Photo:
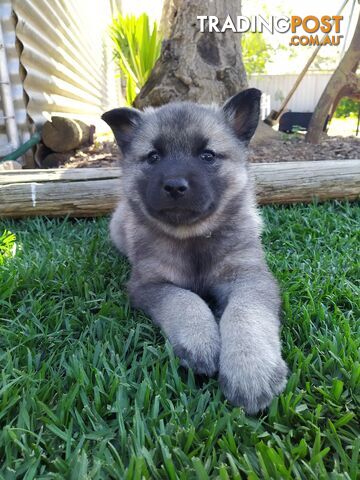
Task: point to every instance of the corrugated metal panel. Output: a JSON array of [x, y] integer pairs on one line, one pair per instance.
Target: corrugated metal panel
[[17, 94], [66, 55], [277, 86]]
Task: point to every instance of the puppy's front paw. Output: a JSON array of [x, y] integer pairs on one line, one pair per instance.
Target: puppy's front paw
[[199, 350], [251, 382]]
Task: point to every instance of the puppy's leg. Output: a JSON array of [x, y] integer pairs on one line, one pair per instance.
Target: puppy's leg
[[117, 232], [251, 368], [185, 319]]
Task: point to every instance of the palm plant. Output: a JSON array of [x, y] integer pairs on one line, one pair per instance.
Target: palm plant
[[136, 49]]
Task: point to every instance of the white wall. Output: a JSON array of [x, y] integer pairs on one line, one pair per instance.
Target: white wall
[[305, 97], [17, 94], [67, 58]]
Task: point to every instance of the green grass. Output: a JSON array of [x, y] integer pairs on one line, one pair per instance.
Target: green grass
[[90, 390]]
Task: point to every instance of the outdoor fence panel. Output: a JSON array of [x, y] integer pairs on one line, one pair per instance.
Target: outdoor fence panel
[[277, 86], [66, 55], [16, 95]]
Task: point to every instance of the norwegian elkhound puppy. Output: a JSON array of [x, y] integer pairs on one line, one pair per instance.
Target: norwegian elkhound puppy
[[188, 223]]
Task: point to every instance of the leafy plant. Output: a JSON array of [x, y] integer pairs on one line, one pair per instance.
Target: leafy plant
[[256, 52], [7, 245], [136, 49], [347, 108]]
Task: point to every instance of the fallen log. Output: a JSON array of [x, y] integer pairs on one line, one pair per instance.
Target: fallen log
[[65, 134], [294, 182], [88, 192]]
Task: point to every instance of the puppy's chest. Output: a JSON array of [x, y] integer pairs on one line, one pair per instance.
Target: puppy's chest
[[198, 259]]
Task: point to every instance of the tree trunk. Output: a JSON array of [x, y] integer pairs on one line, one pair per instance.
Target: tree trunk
[[343, 83], [201, 67]]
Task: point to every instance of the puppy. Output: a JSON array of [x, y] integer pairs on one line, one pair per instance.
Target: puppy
[[188, 223]]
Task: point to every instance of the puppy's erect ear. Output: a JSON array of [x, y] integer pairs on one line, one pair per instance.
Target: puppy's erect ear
[[123, 122], [242, 112]]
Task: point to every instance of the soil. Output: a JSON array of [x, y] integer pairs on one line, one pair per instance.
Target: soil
[[104, 153], [294, 148]]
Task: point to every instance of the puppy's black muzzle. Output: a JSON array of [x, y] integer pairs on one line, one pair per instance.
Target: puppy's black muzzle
[[176, 187]]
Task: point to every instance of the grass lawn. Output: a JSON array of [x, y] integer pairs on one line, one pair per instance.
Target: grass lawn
[[90, 389]]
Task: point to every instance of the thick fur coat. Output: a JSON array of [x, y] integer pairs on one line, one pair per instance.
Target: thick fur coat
[[189, 225]]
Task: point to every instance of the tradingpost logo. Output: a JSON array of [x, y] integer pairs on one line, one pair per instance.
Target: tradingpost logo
[[309, 30]]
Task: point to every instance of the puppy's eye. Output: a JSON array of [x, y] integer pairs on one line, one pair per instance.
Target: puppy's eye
[[153, 157], [208, 155]]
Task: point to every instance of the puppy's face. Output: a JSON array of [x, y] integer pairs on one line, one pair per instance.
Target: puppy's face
[[182, 161]]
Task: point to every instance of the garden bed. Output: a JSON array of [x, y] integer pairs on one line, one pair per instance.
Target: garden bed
[[105, 153]]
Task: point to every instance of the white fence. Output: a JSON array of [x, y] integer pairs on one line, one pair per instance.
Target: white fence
[[66, 56], [59, 60], [15, 96], [277, 86]]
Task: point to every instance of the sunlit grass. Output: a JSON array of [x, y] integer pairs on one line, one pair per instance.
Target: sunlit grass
[[7, 245], [90, 389], [343, 127]]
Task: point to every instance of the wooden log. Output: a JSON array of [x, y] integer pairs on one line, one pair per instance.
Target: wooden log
[[83, 192], [10, 165], [293, 182], [88, 192], [65, 134]]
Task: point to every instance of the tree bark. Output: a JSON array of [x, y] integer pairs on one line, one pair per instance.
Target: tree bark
[[88, 192], [201, 67], [343, 83]]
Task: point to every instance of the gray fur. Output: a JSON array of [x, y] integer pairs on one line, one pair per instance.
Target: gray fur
[[204, 281]]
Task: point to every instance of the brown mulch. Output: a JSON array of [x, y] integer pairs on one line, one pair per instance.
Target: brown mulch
[[100, 154], [288, 148], [294, 148]]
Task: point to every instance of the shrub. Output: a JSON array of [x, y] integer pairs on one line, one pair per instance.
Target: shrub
[[256, 53], [347, 108], [136, 49]]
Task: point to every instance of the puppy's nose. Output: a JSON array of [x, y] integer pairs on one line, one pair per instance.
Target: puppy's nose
[[176, 187]]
